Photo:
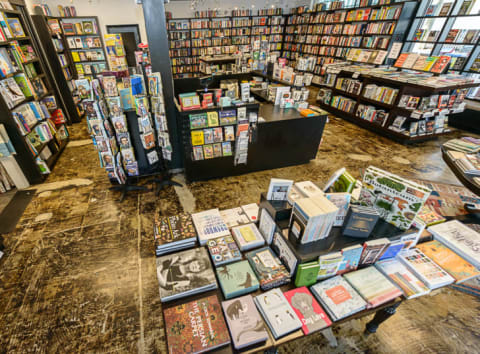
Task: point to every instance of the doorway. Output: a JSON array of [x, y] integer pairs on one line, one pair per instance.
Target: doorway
[[131, 39]]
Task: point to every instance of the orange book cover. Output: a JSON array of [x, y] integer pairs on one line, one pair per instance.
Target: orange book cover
[[401, 59], [452, 263]]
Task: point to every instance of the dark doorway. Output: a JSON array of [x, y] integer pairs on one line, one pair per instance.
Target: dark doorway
[[131, 39]]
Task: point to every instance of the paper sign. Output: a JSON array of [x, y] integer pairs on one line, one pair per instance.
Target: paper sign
[[395, 51]]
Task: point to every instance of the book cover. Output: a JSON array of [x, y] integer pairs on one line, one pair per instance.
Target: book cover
[[328, 264], [307, 274], [279, 189], [410, 285], [198, 121], [212, 118], [247, 236], [372, 250], [208, 151], [234, 217], [459, 238], [227, 148], [209, 225], [223, 250], [429, 272], [266, 225], [251, 211], [441, 64], [185, 273], [169, 229], [307, 309], [351, 259], [268, 268], [195, 327], [373, 286], [284, 252], [338, 298], [237, 279], [244, 321], [342, 202]]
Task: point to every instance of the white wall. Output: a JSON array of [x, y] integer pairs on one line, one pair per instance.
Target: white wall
[[109, 12], [183, 9]]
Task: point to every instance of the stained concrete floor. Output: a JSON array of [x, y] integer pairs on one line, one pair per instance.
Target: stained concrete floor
[[79, 273]]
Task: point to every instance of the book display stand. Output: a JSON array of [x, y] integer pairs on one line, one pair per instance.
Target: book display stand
[[467, 181], [36, 156]]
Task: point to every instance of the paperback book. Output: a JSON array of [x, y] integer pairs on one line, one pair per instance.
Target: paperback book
[[234, 217], [284, 252], [307, 274]]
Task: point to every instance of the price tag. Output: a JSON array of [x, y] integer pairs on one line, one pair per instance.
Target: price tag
[[355, 75]]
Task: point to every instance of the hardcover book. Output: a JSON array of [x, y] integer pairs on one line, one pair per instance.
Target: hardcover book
[[328, 264], [459, 238], [279, 189], [338, 298], [351, 259], [173, 233], [247, 236], [307, 309], [277, 312], [451, 262], [244, 321], [237, 279], [198, 121], [196, 327], [429, 272], [373, 286], [342, 202], [209, 225], [223, 250], [410, 285], [266, 225], [373, 250], [284, 252], [234, 217], [360, 221], [268, 268], [307, 274], [185, 273]]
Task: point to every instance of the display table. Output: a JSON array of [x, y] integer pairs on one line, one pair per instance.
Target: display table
[[467, 181]]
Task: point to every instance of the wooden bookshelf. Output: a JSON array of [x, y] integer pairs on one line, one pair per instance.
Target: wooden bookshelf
[[25, 157]]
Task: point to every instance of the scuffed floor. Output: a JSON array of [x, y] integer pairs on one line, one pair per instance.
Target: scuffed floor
[[79, 273]]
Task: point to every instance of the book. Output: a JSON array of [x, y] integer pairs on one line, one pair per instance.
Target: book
[[373, 286], [440, 64], [459, 238], [244, 321], [237, 279], [430, 273], [198, 120], [173, 233], [342, 202], [396, 199], [308, 189], [307, 274], [251, 211], [185, 273], [360, 221], [279, 189], [198, 325], [277, 312], [307, 309], [328, 264], [392, 249], [234, 217], [338, 298], [373, 249], [351, 259], [247, 236], [212, 118], [284, 252], [197, 137], [266, 225], [209, 224], [410, 285], [268, 268], [223, 250], [451, 262]]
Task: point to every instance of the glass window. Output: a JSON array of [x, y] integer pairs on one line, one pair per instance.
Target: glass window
[[438, 8], [428, 30]]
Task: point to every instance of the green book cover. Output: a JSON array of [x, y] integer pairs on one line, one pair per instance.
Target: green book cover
[[23, 84], [344, 184], [307, 274], [237, 279]]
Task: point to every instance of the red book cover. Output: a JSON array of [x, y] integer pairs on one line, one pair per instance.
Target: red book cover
[[440, 64], [307, 309], [401, 59], [196, 327]]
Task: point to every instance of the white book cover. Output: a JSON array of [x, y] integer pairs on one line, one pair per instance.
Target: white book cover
[[308, 188], [338, 297], [209, 224], [279, 189], [251, 210], [266, 226], [234, 217], [278, 313], [425, 269], [459, 238]]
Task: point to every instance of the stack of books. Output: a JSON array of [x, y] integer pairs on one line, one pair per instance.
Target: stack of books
[[174, 233], [467, 145]]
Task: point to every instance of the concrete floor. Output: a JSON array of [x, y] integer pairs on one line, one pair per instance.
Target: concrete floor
[[79, 274]]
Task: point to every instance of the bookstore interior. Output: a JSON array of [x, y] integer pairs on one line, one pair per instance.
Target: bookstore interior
[[193, 176]]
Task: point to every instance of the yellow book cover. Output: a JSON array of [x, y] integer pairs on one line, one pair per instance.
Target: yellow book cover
[[197, 137], [429, 62], [75, 56], [451, 262], [247, 234], [212, 118]]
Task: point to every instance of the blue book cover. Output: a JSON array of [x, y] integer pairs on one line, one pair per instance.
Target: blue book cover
[[35, 111], [137, 85], [237, 279], [392, 250], [351, 258], [127, 99]]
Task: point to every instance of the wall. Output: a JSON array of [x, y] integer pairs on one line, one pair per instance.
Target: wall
[[183, 9], [109, 12]]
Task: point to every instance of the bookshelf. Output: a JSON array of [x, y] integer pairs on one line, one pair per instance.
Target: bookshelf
[[30, 111], [50, 37], [448, 27], [84, 45], [208, 34]]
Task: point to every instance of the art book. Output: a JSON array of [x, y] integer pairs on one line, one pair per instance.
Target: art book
[[373, 286], [223, 250], [410, 285], [196, 327], [175, 232], [268, 268], [451, 262], [338, 298], [209, 225], [184, 274], [237, 279], [245, 323], [307, 309]]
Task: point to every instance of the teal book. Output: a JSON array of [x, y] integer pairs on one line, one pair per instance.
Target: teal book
[[237, 279]]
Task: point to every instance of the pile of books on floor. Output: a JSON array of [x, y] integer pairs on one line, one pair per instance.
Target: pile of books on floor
[[339, 284]]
